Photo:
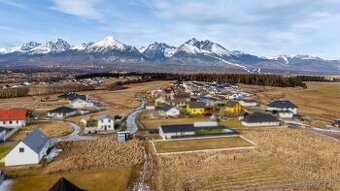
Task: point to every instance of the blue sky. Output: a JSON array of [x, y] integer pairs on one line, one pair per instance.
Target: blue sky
[[262, 27]]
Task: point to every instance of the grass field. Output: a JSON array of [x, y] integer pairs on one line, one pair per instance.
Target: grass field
[[200, 144], [4, 150], [50, 129], [234, 123], [155, 123], [116, 179], [282, 157], [319, 99]]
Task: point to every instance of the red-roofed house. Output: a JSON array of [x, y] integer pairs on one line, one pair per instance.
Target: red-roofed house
[[12, 118]]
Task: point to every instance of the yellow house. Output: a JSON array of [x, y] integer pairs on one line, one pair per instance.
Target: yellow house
[[233, 107], [196, 108]]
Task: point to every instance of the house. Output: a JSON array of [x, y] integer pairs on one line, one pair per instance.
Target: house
[[169, 111], [80, 101], [29, 151], [67, 95], [258, 119], [150, 106], [102, 123], [248, 102], [233, 107], [182, 95], [106, 122], [62, 112], [208, 100], [337, 123], [277, 106], [13, 118], [196, 108], [178, 102], [285, 114], [3, 131], [160, 100], [198, 129], [233, 96]]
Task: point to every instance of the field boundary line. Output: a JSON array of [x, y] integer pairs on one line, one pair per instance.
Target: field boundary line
[[205, 150], [196, 138]]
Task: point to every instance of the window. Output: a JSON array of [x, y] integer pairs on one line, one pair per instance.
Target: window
[[10, 122], [21, 149], [17, 122], [109, 121]]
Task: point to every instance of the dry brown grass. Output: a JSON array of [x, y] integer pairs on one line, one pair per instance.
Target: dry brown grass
[[319, 99], [281, 156], [200, 144], [50, 129], [116, 179]]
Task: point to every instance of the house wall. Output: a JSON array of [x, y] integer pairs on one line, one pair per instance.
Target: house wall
[[61, 115], [170, 135], [195, 111], [81, 104], [248, 104], [173, 112], [107, 124], [260, 124], [293, 110], [286, 115], [15, 158], [13, 123], [235, 109]]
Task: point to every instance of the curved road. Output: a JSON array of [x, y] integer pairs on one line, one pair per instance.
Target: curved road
[[74, 136], [131, 120]]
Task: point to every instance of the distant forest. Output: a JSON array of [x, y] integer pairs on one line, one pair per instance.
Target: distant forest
[[255, 79]]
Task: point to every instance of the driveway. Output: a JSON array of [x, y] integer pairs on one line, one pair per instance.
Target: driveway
[[74, 136]]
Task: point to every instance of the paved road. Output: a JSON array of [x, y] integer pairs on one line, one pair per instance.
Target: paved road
[[74, 136], [131, 120], [6, 185]]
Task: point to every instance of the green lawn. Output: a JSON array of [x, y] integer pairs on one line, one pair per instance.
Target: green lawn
[[234, 123], [200, 144], [209, 131], [4, 150], [116, 179]]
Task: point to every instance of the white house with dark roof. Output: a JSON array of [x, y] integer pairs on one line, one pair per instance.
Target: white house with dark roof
[[106, 122], [29, 151], [258, 119], [248, 102], [169, 111], [284, 105], [61, 112], [80, 101]]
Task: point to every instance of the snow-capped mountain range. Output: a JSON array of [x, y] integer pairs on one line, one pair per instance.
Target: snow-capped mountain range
[[192, 54]]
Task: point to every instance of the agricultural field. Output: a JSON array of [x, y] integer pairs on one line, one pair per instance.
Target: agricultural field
[[116, 179], [200, 144], [319, 99], [50, 129], [284, 159]]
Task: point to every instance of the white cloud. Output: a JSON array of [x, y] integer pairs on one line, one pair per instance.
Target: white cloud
[[13, 3], [81, 8]]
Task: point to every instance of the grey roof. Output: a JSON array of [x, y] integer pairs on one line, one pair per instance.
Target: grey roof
[[74, 97], [100, 117], [166, 108], [196, 105], [36, 140], [231, 103], [2, 129], [248, 100], [187, 128], [282, 104], [62, 110], [258, 117]]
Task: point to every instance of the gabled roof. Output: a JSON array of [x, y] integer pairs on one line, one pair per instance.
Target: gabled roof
[[248, 100], [64, 185], [196, 105], [13, 114], [36, 140], [282, 104], [67, 95], [166, 108], [2, 129], [75, 97], [100, 117], [258, 117], [62, 110], [231, 103]]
